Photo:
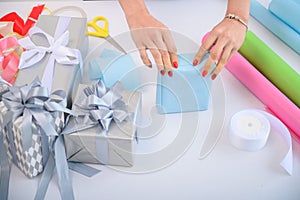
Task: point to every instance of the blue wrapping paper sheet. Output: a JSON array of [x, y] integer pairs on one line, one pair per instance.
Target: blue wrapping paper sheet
[[186, 91], [288, 11], [275, 25], [112, 66]]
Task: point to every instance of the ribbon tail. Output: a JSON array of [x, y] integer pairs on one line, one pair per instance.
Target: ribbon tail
[[287, 162], [47, 78], [43, 119], [83, 169], [11, 144], [16, 19], [26, 130], [46, 177], [64, 180], [35, 12], [11, 68], [5, 171], [80, 61], [45, 147]]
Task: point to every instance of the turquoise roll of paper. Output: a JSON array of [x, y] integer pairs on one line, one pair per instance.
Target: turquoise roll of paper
[[111, 66], [275, 25], [186, 91], [288, 11]]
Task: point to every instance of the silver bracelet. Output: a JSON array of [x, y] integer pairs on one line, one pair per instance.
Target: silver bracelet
[[237, 18]]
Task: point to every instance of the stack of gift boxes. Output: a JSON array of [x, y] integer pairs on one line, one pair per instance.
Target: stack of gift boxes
[[44, 101]]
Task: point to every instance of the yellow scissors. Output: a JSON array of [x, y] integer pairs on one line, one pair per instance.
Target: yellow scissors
[[103, 32]]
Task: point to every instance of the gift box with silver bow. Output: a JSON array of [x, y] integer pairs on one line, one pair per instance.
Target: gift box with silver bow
[[104, 130], [29, 118], [54, 51]]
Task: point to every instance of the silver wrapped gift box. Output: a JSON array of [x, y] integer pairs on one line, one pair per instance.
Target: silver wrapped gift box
[[65, 74], [28, 119], [86, 140]]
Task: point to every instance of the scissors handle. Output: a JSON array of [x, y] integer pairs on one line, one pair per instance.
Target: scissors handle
[[99, 31]]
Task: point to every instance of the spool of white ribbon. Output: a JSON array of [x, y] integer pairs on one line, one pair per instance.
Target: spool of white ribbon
[[249, 130]]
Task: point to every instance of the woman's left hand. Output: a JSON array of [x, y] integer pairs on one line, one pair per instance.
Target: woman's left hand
[[223, 41]]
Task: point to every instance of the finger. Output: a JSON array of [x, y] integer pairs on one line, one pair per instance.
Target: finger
[[145, 57], [199, 56], [174, 59], [170, 44], [207, 66], [216, 51], [158, 60], [214, 56], [204, 48], [226, 55], [164, 56], [167, 62]]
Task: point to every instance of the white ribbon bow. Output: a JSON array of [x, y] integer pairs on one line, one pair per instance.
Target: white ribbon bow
[[58, 50]]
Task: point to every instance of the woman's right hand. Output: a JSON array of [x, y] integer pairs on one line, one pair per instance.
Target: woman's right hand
[[150, 34]]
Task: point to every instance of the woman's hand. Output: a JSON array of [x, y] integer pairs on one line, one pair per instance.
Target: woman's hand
[[150, 34], [223, 41]]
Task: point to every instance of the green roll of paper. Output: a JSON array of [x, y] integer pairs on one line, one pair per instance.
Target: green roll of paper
[[274, 68]]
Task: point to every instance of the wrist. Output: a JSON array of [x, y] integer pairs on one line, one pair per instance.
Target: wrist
[[134, 9], [137, 19], [237, 18], [242, 15], [239, 8], [137, 14]]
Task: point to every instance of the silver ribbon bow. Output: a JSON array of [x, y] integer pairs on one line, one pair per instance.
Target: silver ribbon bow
[[99, 105], [35, 105]]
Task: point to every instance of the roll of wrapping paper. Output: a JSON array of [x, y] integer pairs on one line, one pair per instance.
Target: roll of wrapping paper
[[263, 89], [281, 106], [288, 11], [274, 68], [275, 25]]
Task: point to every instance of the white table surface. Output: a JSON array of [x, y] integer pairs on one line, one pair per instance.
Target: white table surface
[[226, 173]]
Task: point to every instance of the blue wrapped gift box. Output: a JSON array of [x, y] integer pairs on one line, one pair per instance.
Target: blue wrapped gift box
[[186, 91], [112, 66]]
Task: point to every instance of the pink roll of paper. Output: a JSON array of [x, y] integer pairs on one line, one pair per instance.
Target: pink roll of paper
[[262, 88]]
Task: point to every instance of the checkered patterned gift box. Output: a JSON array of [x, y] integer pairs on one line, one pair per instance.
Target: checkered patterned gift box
[[29, 120]]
